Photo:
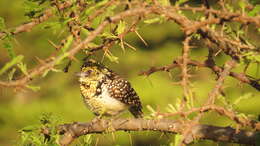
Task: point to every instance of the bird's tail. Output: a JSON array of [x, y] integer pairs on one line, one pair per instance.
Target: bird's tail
[[136, 111]]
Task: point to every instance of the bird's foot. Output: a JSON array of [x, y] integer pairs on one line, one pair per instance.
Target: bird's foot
[[96, 120]]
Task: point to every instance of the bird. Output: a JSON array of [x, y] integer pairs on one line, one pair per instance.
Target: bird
[[105, 93]]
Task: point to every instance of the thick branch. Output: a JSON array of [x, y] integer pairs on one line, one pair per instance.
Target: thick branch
[[215, 133]]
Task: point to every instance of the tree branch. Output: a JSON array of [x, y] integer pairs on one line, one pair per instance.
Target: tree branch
[[44, 17], [224, 134], [50, 64], [239, 76], [229, 46]]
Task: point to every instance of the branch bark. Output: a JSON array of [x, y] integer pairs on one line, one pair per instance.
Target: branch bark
[[222, 134]]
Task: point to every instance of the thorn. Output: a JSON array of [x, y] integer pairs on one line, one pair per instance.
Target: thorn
[[53, 44], [217, 52], [122, 44], [40, 60], [170, 75], [73, 58], [141, 38], [130, 46]]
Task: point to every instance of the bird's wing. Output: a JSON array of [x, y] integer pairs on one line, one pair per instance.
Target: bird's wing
[[121, 90]]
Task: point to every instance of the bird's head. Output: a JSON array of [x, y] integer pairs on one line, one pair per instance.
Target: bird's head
[[92, 70]]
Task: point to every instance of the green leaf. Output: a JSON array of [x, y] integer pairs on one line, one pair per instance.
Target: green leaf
[[56, 70], [121, 27], [151, 109], [177, 139], [179, 2], [8, 65], [7, 43], [85, 31], [153, 20], [257, 58], [9, 46], [67, 44], [52, 25], [2, 24], [255, 11], [32, 9], [30, 128], [243, 97], [87, 140], [108, 35], [92, 45], [171, 108], [45, 73], [230, 7], [164, 2], [242, 5], [92, 8], [178, 104], [60, 58], [11, 74], [111, 57], [23, 68], [34, 88]]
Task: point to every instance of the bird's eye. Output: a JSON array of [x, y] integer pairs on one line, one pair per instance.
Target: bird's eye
[[89, 71]]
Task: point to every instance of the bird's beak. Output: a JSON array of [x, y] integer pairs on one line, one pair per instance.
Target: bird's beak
[[82, 74], [78, 74]]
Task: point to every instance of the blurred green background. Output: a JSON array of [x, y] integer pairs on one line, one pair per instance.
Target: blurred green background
[[59, 93]]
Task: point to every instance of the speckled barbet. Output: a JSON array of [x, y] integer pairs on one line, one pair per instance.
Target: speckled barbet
[[105, 93]]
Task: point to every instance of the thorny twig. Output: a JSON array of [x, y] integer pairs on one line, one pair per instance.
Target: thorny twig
[[216, 90], [139, 11], [44, 17], [239, 76]]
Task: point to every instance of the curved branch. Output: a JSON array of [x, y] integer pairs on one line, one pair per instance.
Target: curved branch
[[50, 64], [199, 131], [224, 15]]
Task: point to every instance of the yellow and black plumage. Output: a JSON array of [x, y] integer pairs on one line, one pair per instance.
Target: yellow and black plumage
[[105, 93]]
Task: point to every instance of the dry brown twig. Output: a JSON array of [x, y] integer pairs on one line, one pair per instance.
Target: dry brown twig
[[45, 16], [48, 65], [218, 109], [239, 76]]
